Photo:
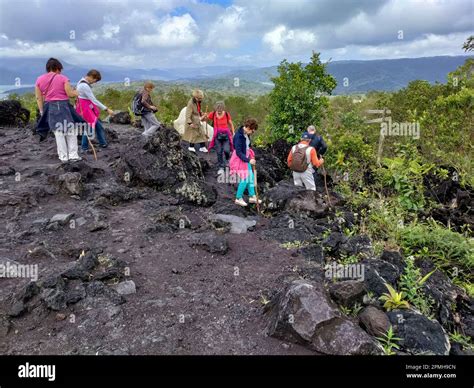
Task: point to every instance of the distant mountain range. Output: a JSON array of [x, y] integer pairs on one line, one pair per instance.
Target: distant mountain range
[[360, 76]]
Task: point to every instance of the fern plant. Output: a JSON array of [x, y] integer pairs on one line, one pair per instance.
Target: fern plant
[[411, 283], [389, 342], [393, 299], [461, 339]]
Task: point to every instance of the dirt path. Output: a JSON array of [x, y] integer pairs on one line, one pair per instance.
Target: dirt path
[[188, 301]]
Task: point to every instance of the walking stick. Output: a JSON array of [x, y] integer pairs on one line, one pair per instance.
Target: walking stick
[[207, 132], [92, 146], [326, 186], [254, 169]]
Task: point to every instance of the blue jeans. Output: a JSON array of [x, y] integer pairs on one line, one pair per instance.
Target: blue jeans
[[247, 183], [100, 136]]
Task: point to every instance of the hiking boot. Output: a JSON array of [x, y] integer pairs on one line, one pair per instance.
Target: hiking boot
[[240, 202], [103, 145], [192, 149], [254, 200], [203, 149]]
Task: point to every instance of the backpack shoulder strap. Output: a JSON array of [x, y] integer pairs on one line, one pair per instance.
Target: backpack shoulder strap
[[308, 154], [293, 149]]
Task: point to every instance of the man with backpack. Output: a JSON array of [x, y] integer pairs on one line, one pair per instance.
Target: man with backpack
[[142, 105], [301, 160], [317, 141]]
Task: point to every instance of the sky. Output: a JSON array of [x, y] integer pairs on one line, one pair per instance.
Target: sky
[[188, 33]]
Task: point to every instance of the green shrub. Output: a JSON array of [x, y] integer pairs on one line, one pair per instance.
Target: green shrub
[[450, 251]]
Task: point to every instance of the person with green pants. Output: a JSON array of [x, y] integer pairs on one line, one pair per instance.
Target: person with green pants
[[242, 160]]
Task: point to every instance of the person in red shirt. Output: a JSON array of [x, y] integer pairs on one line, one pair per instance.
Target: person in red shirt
[[222, 137]]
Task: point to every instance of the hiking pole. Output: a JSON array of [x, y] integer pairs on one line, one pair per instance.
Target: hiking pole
[[326, 186], [92, 146], [254, 169]]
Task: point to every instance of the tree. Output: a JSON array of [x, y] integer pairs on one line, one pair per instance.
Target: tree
[[298, 98], [469, 44]]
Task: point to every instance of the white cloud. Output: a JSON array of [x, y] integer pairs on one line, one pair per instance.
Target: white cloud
[[224, 32], [428, 45], [202, 58], [281, 39], [69, 52], [172, 32], [156, 33], [109, 31]]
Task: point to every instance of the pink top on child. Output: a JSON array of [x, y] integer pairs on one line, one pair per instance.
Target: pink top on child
[[55, 91]]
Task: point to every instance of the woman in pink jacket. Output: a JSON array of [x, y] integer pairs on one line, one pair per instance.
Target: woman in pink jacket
[[88, 106]]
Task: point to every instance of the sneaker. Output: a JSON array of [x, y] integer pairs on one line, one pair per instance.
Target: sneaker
[[75, 160], [254, 200], [103, 145], [240, 202], [203, 149], [192, 149]]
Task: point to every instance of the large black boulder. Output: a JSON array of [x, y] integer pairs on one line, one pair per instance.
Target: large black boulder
[[270, 169], [296, 200], [301, 312], [12, 114], [419, 334], [123, 118], [160, 162]]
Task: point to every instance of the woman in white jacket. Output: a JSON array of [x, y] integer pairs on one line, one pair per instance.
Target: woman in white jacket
[[88, 106]]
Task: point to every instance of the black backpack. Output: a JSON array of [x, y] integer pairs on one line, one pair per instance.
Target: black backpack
[[137, 106]]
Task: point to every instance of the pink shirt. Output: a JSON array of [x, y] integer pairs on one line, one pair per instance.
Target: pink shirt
[[56, 90]]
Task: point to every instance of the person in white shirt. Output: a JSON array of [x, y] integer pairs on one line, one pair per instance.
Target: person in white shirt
[[88, 106]]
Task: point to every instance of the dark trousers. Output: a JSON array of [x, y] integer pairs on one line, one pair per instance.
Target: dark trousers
[[199, 144], [222, 148], [99, 135]]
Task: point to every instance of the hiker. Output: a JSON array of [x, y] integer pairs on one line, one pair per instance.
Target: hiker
[[301, 160], [222, 137], [142, 105], [242, 161], [52, 91], [88, 106], [317, 141], [192, 126]]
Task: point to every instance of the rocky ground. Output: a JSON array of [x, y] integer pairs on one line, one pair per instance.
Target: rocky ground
[[144, 252]]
